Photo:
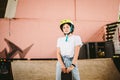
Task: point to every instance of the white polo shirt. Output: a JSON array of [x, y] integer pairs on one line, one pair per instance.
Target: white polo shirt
[[67, 48]]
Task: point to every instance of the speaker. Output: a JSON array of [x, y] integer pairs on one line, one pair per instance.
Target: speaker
[[8, 8], [5, 70], [116, 60], [83, 52], [3, 5], [100, 49], [109, 49]]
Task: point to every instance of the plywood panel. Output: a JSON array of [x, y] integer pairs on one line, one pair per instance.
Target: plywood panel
[[45, 9], [97, 10], [90, 69]]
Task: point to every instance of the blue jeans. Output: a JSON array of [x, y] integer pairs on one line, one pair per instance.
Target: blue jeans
[[67, 61]]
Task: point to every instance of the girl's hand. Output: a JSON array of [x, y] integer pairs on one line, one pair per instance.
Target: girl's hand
[[69, 69], [64, 69]]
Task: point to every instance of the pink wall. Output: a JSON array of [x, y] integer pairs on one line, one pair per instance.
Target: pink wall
[[37, 22]]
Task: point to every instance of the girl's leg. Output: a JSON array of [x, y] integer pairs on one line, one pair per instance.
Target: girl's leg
[[75, 73], [58, 71]]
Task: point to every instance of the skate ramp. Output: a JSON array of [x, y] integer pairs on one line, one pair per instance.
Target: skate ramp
[[90, 69], [98, 69]]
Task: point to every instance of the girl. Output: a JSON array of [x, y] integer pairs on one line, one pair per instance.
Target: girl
[[68, 48]]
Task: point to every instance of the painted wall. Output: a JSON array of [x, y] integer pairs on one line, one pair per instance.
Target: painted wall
[[37, 22]]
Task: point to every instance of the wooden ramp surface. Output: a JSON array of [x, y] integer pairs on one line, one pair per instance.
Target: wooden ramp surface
[[90, 69]]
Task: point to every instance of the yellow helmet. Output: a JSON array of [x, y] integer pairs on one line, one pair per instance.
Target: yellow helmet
[[66, 21]]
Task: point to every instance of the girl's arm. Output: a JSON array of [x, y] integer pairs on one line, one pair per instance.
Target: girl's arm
[[60, 60], [75, 58]]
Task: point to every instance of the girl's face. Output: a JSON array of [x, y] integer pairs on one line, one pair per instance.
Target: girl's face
[[66, 28]]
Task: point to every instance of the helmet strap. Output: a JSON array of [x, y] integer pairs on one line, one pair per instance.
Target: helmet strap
[[66, 38], [71, 29]]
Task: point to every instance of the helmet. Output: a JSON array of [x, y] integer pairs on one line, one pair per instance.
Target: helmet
[[69, 22], [66, 21]]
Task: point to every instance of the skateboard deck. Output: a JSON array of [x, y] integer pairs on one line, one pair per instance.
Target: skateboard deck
[[66, 76]]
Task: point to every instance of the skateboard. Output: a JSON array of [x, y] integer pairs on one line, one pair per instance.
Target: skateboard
[[66, 76]]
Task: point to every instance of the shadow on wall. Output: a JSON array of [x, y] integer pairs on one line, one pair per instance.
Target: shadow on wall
[[98, 36], [14, 49]]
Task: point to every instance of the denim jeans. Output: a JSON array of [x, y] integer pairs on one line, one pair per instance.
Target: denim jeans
[[67, 61]]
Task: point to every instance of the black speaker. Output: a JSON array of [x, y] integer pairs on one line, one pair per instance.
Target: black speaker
[[5, 70], [83, 52], [100, 49], [91, 50], [3, 4], [109, 49], [116, 60]]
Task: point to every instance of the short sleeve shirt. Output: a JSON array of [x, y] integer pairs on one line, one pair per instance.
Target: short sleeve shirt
[[68, 48]]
